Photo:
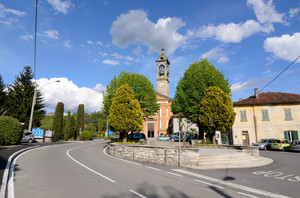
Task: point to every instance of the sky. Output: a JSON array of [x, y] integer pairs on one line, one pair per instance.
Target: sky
[[85, 43]]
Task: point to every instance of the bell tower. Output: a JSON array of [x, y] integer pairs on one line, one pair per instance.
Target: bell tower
[[162, 74]]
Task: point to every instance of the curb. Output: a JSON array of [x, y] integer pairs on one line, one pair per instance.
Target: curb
[[7, 172]]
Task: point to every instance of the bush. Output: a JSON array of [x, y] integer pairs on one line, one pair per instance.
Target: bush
[[86, 135], [10, 130]]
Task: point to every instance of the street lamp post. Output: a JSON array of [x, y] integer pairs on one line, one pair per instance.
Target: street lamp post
[[34, 102]]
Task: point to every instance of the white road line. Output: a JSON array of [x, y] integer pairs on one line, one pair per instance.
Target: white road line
[[138, 194], [233, 185], [120, 158], [209, 184], [153, 168], [247, 195], [175, 174], [103, 176]]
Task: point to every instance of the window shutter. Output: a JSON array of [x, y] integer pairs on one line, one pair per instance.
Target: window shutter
[[265, 116], [296, 135], [288, 114], [243, 115], [286, 135]]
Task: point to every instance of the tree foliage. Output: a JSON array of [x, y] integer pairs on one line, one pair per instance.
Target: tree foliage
[[3, 98], [125, 112], [80, 119], [20, 96], [58, 121], [67, 132], [142, 89], [216, 111], [10, 130], [190, 89]]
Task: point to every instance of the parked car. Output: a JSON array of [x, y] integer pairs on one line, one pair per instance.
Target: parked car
[[295, 146], [263, 144], [136, 136], [28, 137], [278, 144], [163, 138], [175, 137]]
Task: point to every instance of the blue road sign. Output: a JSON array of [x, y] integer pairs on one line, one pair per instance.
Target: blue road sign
[[109, 132], [38, 133]]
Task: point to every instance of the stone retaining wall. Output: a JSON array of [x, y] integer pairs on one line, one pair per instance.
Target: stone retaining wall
[[189, 157]]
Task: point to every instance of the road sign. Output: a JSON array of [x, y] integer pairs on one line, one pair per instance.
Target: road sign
[[38, 133], [109, 133]]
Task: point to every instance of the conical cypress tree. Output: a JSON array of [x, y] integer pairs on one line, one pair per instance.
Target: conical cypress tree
[[3, 108], [80, 119], [67, 130], [58, 121]]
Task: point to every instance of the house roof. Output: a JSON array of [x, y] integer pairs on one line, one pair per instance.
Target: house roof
[[270, 98]]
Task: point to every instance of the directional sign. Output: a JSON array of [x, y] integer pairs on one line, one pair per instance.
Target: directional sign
[[38, 133], [109, 132]]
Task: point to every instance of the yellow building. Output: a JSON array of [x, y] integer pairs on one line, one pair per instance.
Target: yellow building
[[266, 115]]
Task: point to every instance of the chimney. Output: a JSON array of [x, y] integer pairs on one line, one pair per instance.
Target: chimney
[[256, 93]]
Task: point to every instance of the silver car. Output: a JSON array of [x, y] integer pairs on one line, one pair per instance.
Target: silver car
[[295, 146], [28, 136], [263, 144]]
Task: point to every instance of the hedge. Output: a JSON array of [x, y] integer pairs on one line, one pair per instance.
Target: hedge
[[10, 130]]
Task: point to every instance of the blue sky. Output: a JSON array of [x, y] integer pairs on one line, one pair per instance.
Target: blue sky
[[85, 43]]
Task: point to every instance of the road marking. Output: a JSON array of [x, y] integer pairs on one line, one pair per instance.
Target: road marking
[[138, 194], [153, 168], [247, 195], [175, 174], [120, 158], [278, 175], [209, 184], [244, 188], [103, 176]]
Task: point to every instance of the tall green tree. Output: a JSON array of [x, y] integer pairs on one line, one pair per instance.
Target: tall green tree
[[73, 126], [3, 98], [67, 131], [20, 96], [190, 89], [58, 121], [216, 111], [125, 114], [142, 89], [80, 119]]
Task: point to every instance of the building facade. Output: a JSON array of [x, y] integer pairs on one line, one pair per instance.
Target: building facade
[[266, 115], [159, 123]]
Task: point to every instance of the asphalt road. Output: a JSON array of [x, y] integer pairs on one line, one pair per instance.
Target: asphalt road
[[83, 170]]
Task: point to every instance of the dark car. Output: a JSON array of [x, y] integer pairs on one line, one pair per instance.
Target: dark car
[[28, 136], [136, 136], [175, 137], [295, 146]]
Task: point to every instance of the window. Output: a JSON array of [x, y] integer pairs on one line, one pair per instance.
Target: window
[[291, 135], [243, 115], [265, 115], [288, 114]]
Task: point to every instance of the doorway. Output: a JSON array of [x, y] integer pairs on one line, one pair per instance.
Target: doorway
[[150, 130], [245, 138]]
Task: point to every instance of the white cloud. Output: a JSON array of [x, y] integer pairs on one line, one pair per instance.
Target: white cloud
[[293, 12], [52, 34], [266, 12], [267, 71], [110, 62], [232, 32], [61, 6], [136, 27], [26, 37], [70, 94], [9, 16], [250, 84], [99, 88], [216, 53], [286, 47], [99, 43], [117, 56], [90, 42], [102, 53], [67, 44], [4, 11]]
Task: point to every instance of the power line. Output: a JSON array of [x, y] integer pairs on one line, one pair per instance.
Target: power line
[[280, 73]]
